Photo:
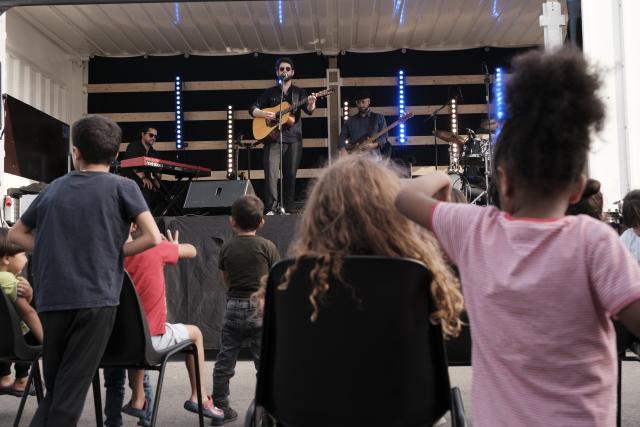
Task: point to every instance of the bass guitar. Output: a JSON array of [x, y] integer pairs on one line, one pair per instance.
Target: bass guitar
[[267, 130], [359, 144]]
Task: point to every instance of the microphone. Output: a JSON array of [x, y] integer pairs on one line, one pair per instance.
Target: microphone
[[284, 75]]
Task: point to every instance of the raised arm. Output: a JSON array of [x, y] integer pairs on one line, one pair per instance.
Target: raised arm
[[149, 235], [185, 250], [418, 197], [22, 236]]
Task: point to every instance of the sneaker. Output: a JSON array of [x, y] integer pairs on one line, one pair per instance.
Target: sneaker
[[209, 410], [229, 415], [270, 213]]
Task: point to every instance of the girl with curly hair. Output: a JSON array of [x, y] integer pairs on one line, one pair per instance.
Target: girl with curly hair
[[350, 212]]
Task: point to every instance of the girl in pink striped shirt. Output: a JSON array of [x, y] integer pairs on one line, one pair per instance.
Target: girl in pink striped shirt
[[539, 287]]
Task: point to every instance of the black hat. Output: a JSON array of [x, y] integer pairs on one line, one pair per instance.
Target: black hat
[[362, 94]]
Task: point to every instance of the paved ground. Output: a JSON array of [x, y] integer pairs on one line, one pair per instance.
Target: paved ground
[[176, 389]]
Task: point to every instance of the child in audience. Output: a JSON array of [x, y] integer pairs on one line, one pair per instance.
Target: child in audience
[[590, 202], [12, 262], [631, 218], [147, 274], [77, 228], [243, 261], [350, 212], [539, 286]]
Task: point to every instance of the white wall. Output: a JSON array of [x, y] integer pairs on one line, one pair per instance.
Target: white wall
[[609, 42], [41, 74]]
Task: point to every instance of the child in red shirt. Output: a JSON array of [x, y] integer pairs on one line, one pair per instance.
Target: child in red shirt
[[147, 273]]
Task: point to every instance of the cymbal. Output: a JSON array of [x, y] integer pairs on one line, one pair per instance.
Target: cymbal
[[487, 125], [445, 135]]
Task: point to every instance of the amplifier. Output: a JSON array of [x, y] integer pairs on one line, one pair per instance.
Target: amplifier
[[215, 196]]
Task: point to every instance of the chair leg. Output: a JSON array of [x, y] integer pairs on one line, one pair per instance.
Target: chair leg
[[196, 364], [37, 379], [619, 394], [156, 401], [23, 399], [97, 398]]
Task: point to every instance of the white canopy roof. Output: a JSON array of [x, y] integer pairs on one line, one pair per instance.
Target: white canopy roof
[[287, 26]]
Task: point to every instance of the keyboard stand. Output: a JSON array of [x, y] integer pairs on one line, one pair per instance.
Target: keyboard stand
[[169, 198]]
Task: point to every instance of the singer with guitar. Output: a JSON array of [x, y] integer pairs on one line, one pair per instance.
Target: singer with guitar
[[291, 136], [359, 126]]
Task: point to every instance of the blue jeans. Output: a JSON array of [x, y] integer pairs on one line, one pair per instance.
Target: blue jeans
[[114, 383], [240, 323]]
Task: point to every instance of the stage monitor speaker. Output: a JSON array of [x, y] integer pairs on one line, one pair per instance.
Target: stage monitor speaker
[[215, 196]]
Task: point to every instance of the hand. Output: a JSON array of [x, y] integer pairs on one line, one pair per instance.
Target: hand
[[311, 101], [24, 289], [173, 238], [269, 115], [146, 183]]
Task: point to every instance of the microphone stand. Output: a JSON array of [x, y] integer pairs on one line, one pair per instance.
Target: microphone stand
[[434, 116], [280, 205], [488, 153], [488, 158]]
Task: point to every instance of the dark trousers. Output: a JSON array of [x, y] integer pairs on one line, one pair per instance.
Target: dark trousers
[[291, 155], [114, 383], [74, 342], [21, 368], [240, 323]]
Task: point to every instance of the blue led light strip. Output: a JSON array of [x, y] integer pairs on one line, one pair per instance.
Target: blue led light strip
[[498, 96], [402, 139], [178, 91]]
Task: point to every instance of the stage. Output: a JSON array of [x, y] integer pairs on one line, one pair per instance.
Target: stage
[[195, 292]]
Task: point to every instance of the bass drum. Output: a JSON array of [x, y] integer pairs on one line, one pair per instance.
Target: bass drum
[[460, 183]]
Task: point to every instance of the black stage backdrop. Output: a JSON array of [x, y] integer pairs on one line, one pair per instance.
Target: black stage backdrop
[[195, 292], [261, 66]]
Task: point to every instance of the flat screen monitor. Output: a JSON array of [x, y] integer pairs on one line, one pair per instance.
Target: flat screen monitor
[[36, 144]]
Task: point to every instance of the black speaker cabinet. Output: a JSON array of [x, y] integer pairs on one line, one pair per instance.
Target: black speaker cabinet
[[215, 196]]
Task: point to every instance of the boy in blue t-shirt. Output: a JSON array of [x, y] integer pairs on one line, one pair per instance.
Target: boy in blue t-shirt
[[77, 228]]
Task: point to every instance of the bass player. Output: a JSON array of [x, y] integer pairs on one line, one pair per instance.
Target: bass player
[[291, 137], [357, 127]]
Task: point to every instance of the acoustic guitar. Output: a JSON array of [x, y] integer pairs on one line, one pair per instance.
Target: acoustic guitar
[[267, 130], [356, 146]]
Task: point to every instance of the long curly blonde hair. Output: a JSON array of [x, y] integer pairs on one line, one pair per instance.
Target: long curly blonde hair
[[351, 211]]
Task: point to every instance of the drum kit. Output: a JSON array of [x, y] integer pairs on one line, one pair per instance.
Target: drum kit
[[470, 160]]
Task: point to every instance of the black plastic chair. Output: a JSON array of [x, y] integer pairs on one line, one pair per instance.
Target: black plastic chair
[[13, 348], [130, 347], [626, 343], [372, 358]]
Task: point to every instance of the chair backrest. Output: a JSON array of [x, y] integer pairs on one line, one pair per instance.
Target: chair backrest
[[12, 343], [372, 357], [130, 343]]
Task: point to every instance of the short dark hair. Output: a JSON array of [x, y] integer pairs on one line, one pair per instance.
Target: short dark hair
[[247, 212], [97, 138], [8, 248], [631, 209], [286, 60], [146, 129], [552, 104]]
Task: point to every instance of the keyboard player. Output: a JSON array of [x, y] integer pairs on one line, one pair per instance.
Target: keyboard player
[[149, 182]]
